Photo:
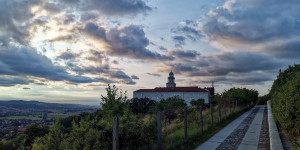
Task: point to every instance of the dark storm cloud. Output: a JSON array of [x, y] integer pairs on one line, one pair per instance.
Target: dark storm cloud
[[11, 81], [184, 53], [26, 61], [135, 77], [129, 41], [26, 88], [110, 7]]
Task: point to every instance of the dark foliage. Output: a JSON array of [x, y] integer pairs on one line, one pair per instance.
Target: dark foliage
[[285, 100], [142, 105]]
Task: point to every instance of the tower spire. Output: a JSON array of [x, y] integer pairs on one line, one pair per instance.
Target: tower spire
[[171, 81]]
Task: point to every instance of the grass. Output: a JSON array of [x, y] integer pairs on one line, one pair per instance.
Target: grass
[[173, 134]]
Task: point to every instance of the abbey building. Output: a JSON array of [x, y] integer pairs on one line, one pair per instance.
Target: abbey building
[[186, 93]]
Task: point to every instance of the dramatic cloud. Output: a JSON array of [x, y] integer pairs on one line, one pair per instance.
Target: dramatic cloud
[[68, 55], [109, 7], [13, 18], [242, 24], [62, 38], [11, 81], [284, 50], [100, 67], [26, 61], [129, 41], [224, 65], [189, 29], [185, 54]]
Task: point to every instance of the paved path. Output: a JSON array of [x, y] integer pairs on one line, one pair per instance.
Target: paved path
[[248, 132]]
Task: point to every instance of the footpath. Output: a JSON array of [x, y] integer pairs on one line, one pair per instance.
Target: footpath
[[254, 130]]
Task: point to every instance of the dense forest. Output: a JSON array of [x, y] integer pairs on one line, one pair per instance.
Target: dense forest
[[285, 101], [137, 128]]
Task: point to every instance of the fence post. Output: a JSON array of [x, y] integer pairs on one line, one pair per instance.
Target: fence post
[[229, 107], [201, 120], [225, 109], [185, 124], [211, 115], [116, 133], [159, 142], [219, 111]]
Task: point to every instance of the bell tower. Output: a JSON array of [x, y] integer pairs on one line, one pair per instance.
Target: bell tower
[[171, 80]]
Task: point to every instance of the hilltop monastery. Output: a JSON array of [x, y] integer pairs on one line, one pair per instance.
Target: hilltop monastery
[[186, 93]]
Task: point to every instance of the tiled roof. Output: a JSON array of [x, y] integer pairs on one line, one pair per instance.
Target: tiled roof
[[176, 89]]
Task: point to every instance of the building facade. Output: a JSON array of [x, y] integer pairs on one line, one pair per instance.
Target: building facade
[[186, 93]]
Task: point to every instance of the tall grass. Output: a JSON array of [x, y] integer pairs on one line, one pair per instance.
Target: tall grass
[[173, 133]]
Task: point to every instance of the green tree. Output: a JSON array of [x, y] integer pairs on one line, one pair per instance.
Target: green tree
[[142, 105], [50, 141], [197, 103], [114, 103]]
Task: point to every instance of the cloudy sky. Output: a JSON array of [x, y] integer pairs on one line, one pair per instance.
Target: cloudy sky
[[69, 50]]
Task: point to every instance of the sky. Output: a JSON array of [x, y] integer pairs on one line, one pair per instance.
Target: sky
[[68, 51]]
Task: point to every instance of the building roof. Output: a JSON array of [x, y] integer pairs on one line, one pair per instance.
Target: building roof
[[174, 89]]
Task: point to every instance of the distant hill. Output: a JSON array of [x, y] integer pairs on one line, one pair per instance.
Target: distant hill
[[21, 105]]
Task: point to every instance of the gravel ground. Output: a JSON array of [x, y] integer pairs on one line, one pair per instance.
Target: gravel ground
[[235, 138], [264, 137]]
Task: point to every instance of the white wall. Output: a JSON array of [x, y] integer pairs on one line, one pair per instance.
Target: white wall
[[187, 96]]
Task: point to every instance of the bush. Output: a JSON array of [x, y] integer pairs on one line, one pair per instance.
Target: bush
[[170, 103], [197, 103], [285, 100], [142, 105]]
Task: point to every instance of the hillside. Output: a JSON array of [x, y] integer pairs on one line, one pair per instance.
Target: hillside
[[12, 107]]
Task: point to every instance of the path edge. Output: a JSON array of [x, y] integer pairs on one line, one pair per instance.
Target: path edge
[[275, 141]]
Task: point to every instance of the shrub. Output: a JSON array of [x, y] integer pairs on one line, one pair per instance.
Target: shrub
[[285, 100]]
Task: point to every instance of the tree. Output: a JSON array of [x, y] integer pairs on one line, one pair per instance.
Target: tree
[[34, 131], [50, 141], [142, 105], [114, 103], [197, 103]]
